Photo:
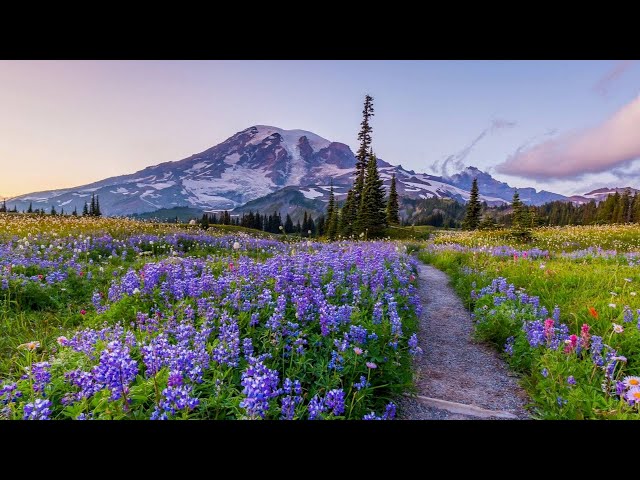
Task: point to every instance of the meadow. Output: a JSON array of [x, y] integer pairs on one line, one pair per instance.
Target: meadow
[[118, 319], [564, 308]]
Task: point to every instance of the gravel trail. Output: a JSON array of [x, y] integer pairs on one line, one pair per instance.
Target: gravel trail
[[453, 367]]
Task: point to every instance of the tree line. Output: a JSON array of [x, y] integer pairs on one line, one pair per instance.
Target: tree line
[[615, 208], [89, 209], [267, 223]]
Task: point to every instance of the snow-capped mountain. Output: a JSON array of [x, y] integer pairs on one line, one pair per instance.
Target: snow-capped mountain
[[600, 194], [254, 164]]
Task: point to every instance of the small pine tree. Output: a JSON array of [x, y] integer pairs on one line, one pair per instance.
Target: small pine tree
[[347, 215], [98, 213], [85, 210], [30, 209], [320, 225], [288, 224], [520, 223], [4, 206], [393, 209], [53, 210], [372, 218], [472, 215]]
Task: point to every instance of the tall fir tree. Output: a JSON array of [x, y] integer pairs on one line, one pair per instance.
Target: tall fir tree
[[393, 209], [30, 209], [472, 214], [85, 210], [4, 206], [372, 218], [363, 154], [98, 213], [332, 212]]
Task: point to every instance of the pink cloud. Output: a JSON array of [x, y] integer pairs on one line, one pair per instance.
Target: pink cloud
[[614, 143]]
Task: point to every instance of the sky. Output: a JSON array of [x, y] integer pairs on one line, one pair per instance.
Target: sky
[[562, 126]]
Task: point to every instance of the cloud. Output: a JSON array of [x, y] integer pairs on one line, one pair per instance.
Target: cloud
[[603, 85], [456, 161], [614, 143]]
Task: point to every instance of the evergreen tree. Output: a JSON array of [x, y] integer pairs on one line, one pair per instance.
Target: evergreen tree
[[372, 218], [393, 209], [204, 221], [288, 224], [364, 137], [304, 228], [92, 207], [311, 226], [488, 223], [636, 208], [98, 213], [332, 214], [4, 206], [347, 215], [625, 200], [85, 210], [472, 215], [30, 209], [320, 225], [520, 222]]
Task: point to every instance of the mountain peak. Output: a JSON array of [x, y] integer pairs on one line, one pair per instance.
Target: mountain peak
[[291, 137]]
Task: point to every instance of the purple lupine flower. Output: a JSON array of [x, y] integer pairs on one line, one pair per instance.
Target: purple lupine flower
[[545, 372], [508, 346], [316, 407], [628, 314], [571, 380], [620, 388], [596, 349], [260, 385], [116, 369], [247, 347], [40, 376], [38, 410], [414, 349], [371, 416], [390, 411], [363, 383], [9, 393], [334, 401]]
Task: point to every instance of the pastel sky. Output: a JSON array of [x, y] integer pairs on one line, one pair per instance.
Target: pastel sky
[[563, 126]]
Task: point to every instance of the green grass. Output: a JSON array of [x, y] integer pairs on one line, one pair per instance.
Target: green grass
[[574, 285]]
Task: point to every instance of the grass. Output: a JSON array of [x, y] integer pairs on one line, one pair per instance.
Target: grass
[[595, 288]]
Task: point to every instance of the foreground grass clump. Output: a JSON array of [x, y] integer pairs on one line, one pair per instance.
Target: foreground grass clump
[[189, 325], [568, 320]]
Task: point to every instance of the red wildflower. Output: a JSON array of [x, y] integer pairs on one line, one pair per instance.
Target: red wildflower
[[592, 312], [584, 336], [83, 312], [548, 328]]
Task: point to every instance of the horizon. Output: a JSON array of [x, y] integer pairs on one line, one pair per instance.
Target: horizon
[[561, 126]]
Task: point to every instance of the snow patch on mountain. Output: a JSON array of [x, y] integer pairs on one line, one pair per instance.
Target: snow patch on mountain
[[311, 193]]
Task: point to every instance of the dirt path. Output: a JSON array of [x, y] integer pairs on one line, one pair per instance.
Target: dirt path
[[453, 368]]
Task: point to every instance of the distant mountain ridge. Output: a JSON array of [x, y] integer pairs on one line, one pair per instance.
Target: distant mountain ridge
[[262, 167]]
